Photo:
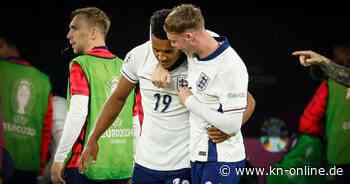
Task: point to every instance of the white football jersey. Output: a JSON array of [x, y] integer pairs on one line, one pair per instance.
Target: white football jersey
[[221, 82], [165, 133]]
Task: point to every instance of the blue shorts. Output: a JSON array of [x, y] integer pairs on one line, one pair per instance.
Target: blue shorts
[[143, 175], [73, 176], [215, 172]]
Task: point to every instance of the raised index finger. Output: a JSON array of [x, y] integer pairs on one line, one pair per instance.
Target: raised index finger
[[303, 52]]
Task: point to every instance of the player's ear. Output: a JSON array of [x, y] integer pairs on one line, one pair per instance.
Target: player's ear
[[94, 32], [188, 36]]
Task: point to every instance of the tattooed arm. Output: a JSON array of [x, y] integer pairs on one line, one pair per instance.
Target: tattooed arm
[[334, 71], [338, 73]]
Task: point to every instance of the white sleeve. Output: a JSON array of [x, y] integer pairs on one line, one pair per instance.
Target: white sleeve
[[226, 121], [74, 123], [232, 87], [130, 67], [59, 116]]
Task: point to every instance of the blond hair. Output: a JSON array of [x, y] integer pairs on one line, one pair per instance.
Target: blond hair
[[183, 18], [95, 17]]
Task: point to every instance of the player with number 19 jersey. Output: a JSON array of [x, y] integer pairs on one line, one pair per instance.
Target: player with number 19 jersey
[[164, 141]]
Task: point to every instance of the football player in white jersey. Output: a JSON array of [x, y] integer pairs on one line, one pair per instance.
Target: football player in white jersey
[[162, 153], [216, 96]]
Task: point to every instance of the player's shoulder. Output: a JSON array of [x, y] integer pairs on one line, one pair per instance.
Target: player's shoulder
[[140, 50], [138, 54], [231, 61], [81, 57], [230, 56], [59, 100]]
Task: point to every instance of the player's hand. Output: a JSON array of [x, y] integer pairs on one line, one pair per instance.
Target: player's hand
[[57, 169], [89, 155], [307, 58], [184, 93], [348, 94], [217, 136], [161, 77]]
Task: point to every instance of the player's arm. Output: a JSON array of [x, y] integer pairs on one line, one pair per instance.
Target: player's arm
[[77, 111], [59, 116], [218, 136], [308, 58], [46, 137], [334, 71], [232, 89], [225, 121], [75, 120], [311, 121], [338, 73], [250, 108]]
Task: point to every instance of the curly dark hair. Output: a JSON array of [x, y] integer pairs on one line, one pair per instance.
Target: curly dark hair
[[157, 23]]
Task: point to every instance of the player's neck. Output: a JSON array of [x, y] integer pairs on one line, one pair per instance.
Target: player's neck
[[95, 43], [207, 45]]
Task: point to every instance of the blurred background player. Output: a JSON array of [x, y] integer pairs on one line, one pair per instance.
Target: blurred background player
[[26, 105], [59, 105], [326, 119], [337, 72]]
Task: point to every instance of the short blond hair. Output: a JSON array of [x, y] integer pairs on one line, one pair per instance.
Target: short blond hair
[[95, 17], [184, 17]]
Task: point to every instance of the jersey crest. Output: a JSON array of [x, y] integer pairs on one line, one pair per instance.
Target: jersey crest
[[181, 81], [202, 82]]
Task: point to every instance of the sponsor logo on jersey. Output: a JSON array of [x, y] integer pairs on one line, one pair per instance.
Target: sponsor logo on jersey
[[236, 95]]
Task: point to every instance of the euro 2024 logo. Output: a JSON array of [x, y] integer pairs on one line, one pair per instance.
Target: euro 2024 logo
[[22, 100]]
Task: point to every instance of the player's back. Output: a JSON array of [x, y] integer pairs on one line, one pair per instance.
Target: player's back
[[164, 141], [24, 97]]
